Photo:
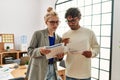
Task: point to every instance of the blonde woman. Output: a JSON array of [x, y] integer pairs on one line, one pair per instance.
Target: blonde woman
[[41, 68]]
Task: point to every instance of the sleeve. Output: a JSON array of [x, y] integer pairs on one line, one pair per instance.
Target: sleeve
[[94, 45], [33, 49]]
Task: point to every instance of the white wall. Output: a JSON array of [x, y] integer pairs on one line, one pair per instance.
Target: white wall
[[116, 42], [22, 17]]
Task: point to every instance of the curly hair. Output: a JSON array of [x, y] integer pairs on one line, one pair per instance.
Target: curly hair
[[74, 12]]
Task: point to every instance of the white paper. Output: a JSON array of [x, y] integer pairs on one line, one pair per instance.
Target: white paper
[[77, 47], [6, 76], [5, 72], [55, 49]]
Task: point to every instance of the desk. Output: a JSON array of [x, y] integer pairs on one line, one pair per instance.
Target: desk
[[19, 72], [18, 54], [61, 72], [8, 71]]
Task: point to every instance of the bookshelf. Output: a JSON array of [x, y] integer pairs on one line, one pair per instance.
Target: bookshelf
[[6, 40]]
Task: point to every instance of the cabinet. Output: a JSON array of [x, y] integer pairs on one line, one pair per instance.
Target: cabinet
[[14, 53], [1, 46], [7, 40]]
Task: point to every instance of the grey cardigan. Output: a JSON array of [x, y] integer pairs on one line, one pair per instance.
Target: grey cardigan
[[38, 63]]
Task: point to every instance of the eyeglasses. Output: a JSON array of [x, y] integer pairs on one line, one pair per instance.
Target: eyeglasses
[[53, 22], [72, 21]]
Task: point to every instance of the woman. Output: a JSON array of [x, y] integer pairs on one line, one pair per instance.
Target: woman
[[41, 68]]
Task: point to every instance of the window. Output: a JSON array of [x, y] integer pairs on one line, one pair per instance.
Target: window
[[96, 15]]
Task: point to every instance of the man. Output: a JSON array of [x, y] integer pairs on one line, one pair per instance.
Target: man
[[82, 46]]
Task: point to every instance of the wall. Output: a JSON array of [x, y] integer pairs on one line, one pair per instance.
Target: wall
[[116, 42], [22, 17]]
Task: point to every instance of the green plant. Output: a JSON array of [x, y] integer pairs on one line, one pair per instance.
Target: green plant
[[27, 62], [8, 47]]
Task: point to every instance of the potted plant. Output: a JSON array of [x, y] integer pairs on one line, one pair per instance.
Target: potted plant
[[26, 64], [7, 48]]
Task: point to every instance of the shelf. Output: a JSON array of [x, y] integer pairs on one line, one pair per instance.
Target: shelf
[[6, 40], [16, 53]]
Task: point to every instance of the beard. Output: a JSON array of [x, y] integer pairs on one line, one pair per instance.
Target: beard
[[74, 27]]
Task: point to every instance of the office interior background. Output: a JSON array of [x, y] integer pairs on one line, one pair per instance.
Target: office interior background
[[23, 17]]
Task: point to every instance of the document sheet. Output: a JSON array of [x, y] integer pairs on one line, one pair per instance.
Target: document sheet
[[77, 47], [5, 72], [55, 49]]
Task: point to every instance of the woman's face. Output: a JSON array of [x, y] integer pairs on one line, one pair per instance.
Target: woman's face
[[52, 23]]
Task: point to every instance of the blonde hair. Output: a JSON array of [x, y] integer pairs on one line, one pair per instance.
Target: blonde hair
[[50, 13]]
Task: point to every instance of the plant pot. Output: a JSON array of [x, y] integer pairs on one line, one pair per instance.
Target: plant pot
[[7, 49]]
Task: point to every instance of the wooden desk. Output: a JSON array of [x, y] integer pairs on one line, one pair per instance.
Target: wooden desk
[[19, 72], [61, 72], [16, 52], [8, 71]]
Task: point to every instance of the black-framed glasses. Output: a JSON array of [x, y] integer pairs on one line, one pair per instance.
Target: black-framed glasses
[[72, 20], [53, 22]]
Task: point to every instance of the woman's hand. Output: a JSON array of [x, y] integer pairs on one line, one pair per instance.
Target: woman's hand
[[44, 51]]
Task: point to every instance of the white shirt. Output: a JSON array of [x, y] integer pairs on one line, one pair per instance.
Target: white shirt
[[77, 65]]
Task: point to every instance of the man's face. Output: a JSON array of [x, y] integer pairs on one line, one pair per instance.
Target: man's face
[[73, 22]]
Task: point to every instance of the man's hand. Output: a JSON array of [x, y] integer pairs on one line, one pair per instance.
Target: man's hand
[[87, 54], [65, 41], [60, 56]]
